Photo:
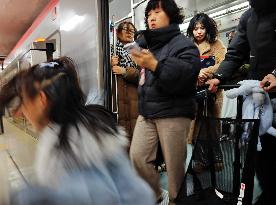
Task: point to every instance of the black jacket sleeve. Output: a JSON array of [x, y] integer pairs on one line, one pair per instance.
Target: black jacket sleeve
[[238, 50], [177, 73]]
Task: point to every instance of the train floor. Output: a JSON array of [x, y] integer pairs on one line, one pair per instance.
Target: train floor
[[16, 154]]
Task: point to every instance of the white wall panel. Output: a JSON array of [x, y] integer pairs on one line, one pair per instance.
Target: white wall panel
[[119, 8], [82, 42], [140, 16]]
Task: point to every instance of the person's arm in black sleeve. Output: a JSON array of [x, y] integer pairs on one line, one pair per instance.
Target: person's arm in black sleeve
[[237, 52], [178, 72]]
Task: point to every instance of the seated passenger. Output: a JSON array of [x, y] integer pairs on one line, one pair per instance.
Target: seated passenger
[[80, 151]]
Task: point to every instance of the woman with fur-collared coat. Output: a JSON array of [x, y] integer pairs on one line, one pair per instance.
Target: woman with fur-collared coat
[[203, 31]]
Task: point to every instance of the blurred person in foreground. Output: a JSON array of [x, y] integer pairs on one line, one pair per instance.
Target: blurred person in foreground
[[127, 78], [169, 68], [80, 156], [256, 38]]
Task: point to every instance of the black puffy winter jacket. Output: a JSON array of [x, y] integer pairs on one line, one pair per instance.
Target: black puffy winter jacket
[[170, 90]]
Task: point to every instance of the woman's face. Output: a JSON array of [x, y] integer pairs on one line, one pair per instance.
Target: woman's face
[[34, 109], [157, 18], [199, 32], [127, 34]]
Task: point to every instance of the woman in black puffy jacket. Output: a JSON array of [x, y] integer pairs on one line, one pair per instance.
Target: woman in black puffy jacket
[[170, 66]]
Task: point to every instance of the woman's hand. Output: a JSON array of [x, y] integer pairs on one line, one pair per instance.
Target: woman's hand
[[213, 85], [114, 60], [204, 75], [118, 70], [144, 59]]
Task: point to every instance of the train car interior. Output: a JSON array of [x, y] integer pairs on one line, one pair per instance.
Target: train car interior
[[88, 31]]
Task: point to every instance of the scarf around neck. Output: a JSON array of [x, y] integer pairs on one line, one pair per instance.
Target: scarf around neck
[[157, 38]]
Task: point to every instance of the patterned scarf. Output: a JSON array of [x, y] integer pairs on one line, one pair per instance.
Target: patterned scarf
[[125, 60]]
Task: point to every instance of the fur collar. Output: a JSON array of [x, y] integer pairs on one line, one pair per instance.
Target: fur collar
[[204, 47], [52, 163]]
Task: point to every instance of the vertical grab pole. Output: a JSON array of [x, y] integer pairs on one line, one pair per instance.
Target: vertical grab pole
[[114, 87], [103, 7], [132, 12]]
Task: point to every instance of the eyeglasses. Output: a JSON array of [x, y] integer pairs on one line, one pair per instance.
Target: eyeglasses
[[129, 30]]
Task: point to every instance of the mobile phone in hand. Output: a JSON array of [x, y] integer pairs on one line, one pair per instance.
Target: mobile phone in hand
[[132, 45]]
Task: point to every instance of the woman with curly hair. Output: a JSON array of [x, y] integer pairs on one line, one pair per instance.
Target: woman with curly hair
[[204, 33]]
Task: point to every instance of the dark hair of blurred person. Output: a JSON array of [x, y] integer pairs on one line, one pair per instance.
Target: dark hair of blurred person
[[56, 84], [74, 138]]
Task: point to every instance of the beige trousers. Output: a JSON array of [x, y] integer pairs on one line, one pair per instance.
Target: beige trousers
[[172, 134]]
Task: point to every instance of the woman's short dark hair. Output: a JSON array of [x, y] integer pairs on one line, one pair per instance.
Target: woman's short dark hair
[[209, 24], [170, 8]]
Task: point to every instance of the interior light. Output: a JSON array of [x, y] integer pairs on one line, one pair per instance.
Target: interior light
[[221, 13], [233, 9], [71, 23], [40, 40]]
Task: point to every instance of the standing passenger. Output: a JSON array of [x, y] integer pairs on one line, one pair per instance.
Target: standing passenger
[[256, 38], [80, 148], [204, 33], [127, 78], [166, 92]]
